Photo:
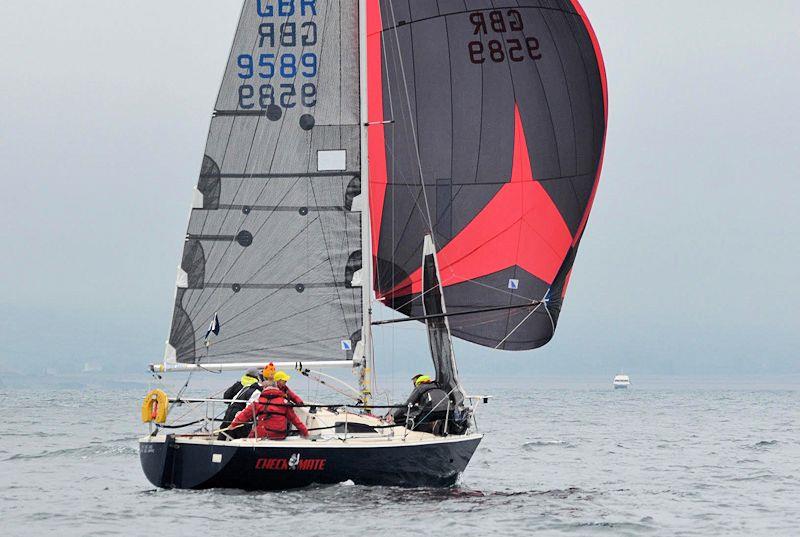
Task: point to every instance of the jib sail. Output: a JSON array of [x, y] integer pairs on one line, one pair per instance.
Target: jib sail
[[487, 128], [274, 238]]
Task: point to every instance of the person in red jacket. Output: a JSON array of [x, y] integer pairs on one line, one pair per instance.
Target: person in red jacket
[[272, 413]]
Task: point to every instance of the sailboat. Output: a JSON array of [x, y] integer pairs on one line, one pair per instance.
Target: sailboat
[[435, 158]]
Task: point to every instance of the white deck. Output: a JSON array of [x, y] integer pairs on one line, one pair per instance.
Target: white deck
[[382, 437]]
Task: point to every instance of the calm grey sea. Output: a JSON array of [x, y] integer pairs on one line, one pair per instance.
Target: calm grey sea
[[661, 459]]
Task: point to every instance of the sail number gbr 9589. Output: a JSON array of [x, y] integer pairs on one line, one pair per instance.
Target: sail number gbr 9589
[[284, 65], [495, 24]]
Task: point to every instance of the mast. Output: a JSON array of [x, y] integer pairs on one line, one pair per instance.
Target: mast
[[366, 366]]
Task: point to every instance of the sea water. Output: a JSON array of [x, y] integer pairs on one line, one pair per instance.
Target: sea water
[[661, 458]]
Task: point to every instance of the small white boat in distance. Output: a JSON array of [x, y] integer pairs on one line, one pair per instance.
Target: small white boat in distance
[[621, 381]]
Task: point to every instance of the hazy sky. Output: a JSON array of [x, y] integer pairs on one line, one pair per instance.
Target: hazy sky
[[690, 261]]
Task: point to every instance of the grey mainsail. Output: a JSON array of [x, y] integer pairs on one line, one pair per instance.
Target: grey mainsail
[[273, 247]]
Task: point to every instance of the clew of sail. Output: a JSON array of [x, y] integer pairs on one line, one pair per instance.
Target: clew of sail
[[273, 247], [487, 129]]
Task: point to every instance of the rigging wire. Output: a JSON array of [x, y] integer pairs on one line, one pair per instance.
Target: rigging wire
[[522, 322], [309, 372]]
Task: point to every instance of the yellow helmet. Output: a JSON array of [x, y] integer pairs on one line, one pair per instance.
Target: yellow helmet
[[422, 379], [248, 379], [280, 375]]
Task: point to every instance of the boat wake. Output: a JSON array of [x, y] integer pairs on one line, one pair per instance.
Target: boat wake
[[529, 446]]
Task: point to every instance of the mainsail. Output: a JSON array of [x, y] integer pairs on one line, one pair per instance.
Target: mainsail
[[273, 248], [487, 128]]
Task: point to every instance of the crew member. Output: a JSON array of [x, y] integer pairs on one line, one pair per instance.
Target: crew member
[[269, 372], [272, 413], [239, 394], [269, 380], [247, 380], [426, 405], [280, 381]]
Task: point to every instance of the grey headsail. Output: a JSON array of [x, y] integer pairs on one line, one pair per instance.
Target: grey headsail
[[273, 248]]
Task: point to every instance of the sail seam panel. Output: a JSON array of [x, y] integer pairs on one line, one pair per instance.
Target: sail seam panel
[[233, 123], [275, 149], [240, 25], [504, 45], [227, 145], [273, 322], [211, 276], [270, 260], [274, 153]]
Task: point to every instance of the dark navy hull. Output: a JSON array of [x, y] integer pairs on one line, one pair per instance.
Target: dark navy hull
[[171, 463]]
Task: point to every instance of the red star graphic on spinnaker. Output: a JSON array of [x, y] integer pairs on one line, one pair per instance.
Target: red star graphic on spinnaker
[[520, 226]]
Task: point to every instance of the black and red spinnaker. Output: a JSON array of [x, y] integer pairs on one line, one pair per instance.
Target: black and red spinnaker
[[487, 128]]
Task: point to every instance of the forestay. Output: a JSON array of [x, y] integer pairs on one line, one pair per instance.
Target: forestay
[[273, 247]]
